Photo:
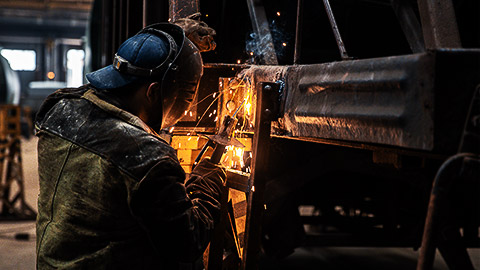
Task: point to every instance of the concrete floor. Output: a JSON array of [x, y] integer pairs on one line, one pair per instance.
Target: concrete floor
[[20, 254]]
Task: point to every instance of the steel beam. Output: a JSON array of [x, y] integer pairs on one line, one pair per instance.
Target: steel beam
[[439, 24], [264, 114], [382, 101], [336, 32], [264, 41]]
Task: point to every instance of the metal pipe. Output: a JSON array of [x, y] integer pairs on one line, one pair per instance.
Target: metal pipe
[[336, 32], [436, 211], [298, 33]]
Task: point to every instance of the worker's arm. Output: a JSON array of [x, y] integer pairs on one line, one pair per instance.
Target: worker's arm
[[179, 218]]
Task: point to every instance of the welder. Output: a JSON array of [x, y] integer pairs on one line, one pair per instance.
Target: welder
[[112, 192]]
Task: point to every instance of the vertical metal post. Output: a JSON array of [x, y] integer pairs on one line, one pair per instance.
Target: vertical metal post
[[410, 24], [133, 21], [154, 11], [262, 31], [298, 33], [439, 24], [182, 8], [122, 23], [215, 253], [258, 177], [144, 13], [106, 55], [114, 27]]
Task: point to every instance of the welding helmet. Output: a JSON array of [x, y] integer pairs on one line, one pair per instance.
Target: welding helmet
[[161, 53]]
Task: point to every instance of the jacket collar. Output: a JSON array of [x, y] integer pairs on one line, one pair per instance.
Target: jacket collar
[[122, 114]]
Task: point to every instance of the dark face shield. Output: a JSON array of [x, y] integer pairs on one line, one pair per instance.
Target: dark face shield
[[179, 86], [181, 78]]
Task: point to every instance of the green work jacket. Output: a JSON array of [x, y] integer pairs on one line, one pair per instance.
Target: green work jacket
[[112, 193]]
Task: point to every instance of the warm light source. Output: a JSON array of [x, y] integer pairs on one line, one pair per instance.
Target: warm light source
[[51, 75]]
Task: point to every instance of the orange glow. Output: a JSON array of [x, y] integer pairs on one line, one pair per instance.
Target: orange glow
[[51, 75]]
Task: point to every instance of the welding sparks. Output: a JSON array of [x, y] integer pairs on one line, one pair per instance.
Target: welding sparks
[[190, 113], [171, 129], [214, 94], [278, 13], [186, 112], [248, 108], [251, 53], [210, 115], [239, 152], [238, 61], [284, 44], [216, 119]]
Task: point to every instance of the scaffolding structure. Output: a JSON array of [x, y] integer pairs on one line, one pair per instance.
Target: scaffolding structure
[[12, 191]]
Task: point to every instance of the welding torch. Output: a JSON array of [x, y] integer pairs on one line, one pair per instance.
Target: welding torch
[[221, 140]]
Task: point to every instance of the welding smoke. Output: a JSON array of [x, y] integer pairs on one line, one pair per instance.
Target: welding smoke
[[258, 45]]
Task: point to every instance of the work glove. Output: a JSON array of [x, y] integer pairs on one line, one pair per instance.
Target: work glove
[[209, 170], [198, 32]]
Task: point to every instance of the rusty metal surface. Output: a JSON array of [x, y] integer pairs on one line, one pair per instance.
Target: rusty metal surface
[[382, 101], [400, 101], [179, 9], [439, 24]]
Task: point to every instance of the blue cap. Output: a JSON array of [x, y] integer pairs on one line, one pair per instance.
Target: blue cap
[[143, 50]]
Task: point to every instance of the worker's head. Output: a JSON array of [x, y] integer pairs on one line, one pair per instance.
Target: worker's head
[[161, 62]]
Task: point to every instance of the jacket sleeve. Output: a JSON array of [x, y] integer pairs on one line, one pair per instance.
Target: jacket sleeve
[[179, 217]]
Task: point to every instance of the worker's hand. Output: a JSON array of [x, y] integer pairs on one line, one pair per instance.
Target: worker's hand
[[210, 170], [206, 183], [198, 32]]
